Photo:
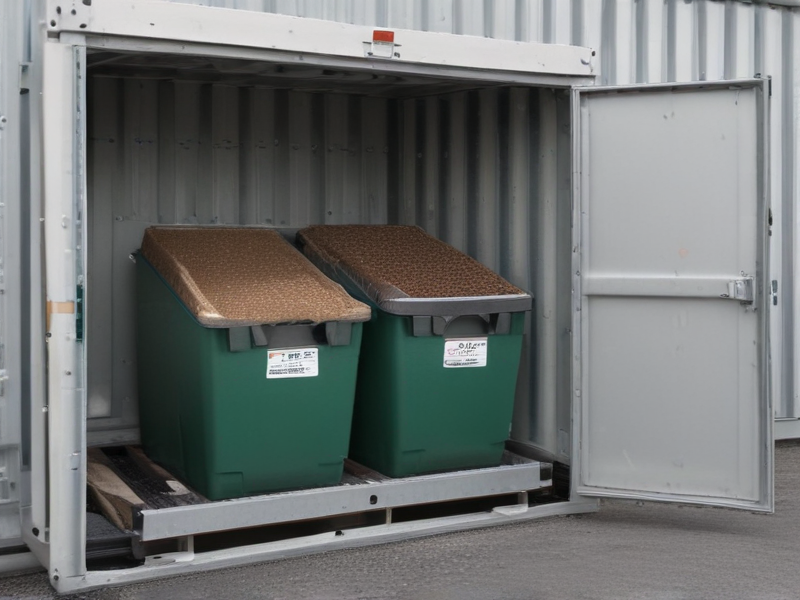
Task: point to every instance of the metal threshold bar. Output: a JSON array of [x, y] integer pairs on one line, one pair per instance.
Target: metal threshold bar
[[787, 428], [183, 563], [369, 495]]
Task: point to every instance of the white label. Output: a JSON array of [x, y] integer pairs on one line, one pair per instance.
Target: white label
[[467, 352], [293, 362]]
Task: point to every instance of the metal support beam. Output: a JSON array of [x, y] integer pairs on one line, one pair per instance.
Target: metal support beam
[[64, 110], [353, 538], [787, 429], [325, 502], [146, 19]]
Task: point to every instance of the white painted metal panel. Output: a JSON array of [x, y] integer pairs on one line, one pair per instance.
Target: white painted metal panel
[[11, 45], [671, 371], [147, 19]]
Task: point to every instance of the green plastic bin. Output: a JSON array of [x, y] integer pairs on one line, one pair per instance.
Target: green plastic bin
[[438, 371], [232, 405]]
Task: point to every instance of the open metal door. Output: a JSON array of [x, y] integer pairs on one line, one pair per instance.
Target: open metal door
[[671, 294]]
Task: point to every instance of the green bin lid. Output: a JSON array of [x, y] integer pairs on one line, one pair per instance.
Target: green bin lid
[[406, 271], [242, 276]]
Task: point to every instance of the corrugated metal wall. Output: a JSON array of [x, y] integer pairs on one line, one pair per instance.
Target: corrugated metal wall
[[463, 165], [458, 164], [11, 53], [183, 152]]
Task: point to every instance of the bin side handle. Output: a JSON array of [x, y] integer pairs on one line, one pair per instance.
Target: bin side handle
[[334, 333], [337, 333], [495, 324], [239, 339]]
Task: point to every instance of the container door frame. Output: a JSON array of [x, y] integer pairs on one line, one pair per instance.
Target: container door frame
[[664, 490], [60, 545]]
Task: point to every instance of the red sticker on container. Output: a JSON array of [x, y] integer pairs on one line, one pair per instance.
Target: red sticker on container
[[380, 35]]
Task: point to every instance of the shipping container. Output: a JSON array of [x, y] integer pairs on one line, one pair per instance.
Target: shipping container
[[631, 163]]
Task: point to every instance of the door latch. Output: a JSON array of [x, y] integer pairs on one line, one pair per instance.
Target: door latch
[[742, 290], [79, 316]]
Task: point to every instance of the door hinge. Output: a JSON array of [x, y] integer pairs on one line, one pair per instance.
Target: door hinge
[[79, 320], [5, 487], [742, 290], [24, 76]]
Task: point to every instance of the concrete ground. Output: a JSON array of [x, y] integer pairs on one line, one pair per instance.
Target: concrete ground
[[625, 551]]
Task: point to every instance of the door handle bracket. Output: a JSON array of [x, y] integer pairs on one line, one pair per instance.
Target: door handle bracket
[[742, 290]]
